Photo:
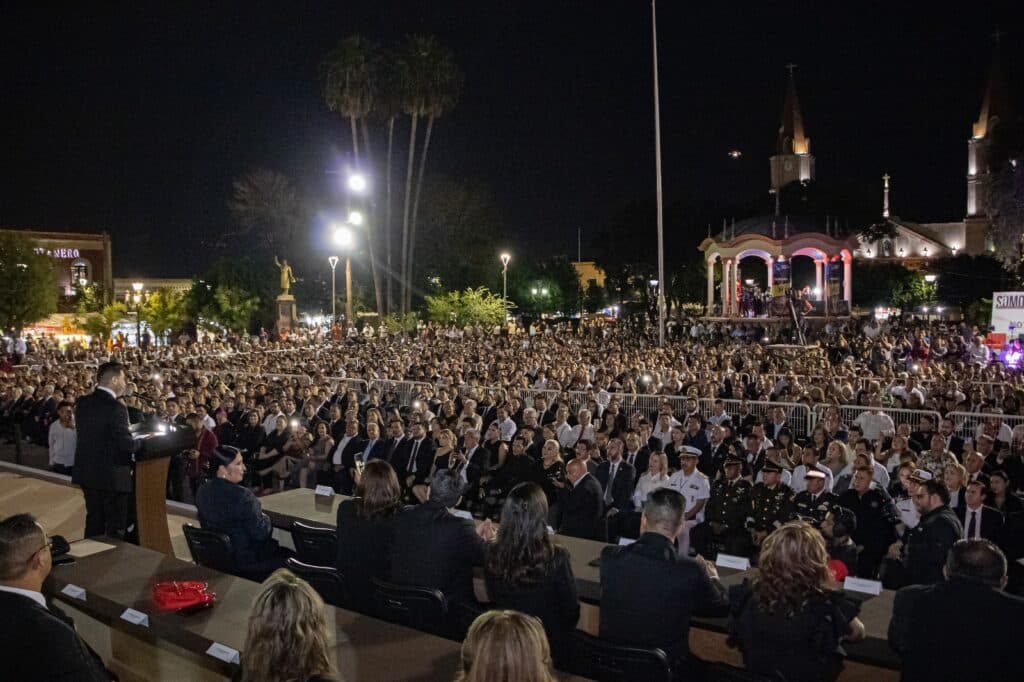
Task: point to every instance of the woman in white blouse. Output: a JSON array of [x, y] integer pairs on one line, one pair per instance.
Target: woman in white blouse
[[655, 477]]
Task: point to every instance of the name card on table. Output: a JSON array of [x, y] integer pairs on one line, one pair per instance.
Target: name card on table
[[74, 591], [135, 617], [224, 653], [626, 541], [325, 490], [862, 585], [740, 563]]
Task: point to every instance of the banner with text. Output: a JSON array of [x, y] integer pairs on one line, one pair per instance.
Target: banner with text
[[1008, 312]]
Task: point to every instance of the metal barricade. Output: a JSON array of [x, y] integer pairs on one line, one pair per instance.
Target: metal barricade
[[849, 414], [799, 417], [972, 425]]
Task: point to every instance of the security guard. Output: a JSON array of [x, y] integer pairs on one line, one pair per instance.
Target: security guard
[[726, 513], [923, 552], [771, 503], [814, 502]]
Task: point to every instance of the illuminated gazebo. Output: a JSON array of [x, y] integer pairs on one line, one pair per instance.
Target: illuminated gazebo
[[776, 242]]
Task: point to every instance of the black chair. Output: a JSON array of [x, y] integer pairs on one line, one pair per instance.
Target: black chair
[[210, 549], [325, 580], [730, 673], [601, 660], [420, 608], [315, 545]]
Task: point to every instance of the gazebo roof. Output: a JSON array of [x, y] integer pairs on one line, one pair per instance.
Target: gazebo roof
[[755, 239]]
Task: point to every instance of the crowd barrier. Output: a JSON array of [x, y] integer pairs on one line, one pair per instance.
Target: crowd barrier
[[849, 414], [971, 425]]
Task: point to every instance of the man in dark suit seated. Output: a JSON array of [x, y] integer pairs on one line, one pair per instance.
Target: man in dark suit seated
[[966, 612], [414, 469], [436, 549], [37, 641], [647, 582], [978, 520], [616, 477], [103, 454], [581, 508]]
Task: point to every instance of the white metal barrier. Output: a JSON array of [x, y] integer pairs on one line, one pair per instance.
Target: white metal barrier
[[849, 413], [1008, 428], [799, 417]]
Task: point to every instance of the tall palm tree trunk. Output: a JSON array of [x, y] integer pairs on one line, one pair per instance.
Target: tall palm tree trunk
[[416, 207], [355, 139], [390, 274], [405, 213], [371, 237]]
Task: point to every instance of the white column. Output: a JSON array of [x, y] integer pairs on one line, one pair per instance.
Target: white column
[[733, 286], [848, 282], [726, 291], [768, 264], [818, 267], [711, 285]]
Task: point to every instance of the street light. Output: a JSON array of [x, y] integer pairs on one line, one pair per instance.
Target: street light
[[137, 300], [357, 182], [333, 260], [355, 218], [344, 238], [505, 258], [930, 278]]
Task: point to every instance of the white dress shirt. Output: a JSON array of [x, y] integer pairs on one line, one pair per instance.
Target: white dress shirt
[[62, 442], [799, 484], [694, 488], [339, 448], [34, 596]]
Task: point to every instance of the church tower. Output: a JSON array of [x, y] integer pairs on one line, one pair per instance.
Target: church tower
[[792, 160], [994, 108]]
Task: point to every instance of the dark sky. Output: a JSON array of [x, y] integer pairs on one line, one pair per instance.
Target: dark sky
[[135, 120]]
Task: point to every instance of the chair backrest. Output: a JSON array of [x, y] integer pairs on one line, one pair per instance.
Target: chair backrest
[[604, 661], [730, 673], [325, 580], [315, 545], [420, 608], [210, 549]]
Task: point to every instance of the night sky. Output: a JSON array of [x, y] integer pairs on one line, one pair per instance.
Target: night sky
[[136, 120]]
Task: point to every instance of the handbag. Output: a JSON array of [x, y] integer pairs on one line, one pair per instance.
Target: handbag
[[174, 595]]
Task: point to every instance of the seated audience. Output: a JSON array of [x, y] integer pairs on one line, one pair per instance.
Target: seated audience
[[649, 592], [961, 628], [287, 637], [505, 646], [581, 509], [790, 621], [526, 571]]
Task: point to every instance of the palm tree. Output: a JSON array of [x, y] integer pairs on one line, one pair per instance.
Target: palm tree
[[429, 82], [267, 209], [388, 105], [350, 76]]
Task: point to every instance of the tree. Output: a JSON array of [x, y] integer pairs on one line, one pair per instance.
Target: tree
[[29, 283], [351, 74], [268, 211], [89, 298], [244, 279], [892, 284], [594, 298], [164, 311], [100, 323], [1006, 211], [546, 286], [469, 307]]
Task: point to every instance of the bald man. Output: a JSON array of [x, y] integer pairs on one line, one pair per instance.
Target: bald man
[[582, 511]]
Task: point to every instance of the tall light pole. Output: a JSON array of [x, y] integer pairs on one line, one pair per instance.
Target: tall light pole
[[333, 260], [505, 258], [344, 238], [657, 167], [137, 300]]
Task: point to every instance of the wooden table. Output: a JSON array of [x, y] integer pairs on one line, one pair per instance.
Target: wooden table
[[363, 648], [302, 505]]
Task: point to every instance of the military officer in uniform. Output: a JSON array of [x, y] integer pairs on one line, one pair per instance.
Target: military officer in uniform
[[692, 484], [726, 514], [814, 502], [771, 503]]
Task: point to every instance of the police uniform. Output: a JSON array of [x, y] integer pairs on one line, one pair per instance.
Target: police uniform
[[694, 488], [770, 507], [876, 526], [814, 510], [729, 505]]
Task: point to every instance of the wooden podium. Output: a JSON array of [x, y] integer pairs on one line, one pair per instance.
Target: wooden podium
[[152, 457]]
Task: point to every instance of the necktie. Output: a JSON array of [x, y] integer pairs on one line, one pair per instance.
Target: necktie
[[608, 490], [972, 525], [366, 450], [813, 498], [412, 458], [632, 458]]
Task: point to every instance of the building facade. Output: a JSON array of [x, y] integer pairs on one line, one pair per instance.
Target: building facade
[[80, 258]]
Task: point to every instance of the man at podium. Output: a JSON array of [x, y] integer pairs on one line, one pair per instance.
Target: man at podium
[[103, 454]]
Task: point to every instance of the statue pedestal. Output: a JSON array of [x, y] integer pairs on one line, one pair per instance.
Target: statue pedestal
[[286, 317]]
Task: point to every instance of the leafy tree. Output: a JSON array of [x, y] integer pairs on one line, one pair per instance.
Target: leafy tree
[[244, 278], [546, 286], [1006, 211], [89, 298], [469, 307], [268, 211], [235, 307], [594, 298], [164, 311], [892, 284], [29, 282], [100, 323]]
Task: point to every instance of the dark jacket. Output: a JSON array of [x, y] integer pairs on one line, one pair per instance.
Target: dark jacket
[[622, 486], [232, 509], [956, 630], [989, 517], [649, 594], [553, 599], [364, 547], [582, 510], [103, 451], [928, 543], [435, 549], [424, 460], [41, 644]]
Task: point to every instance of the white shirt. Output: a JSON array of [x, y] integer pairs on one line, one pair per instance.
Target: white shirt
[[1005, 432], [270, 422], [908, 512], [647, 484], [564, 434], [874, 424], [977, 522], [34, 596], [588, 434], [62, 442], [507, 429], [339, 448], [800, 484], [694, 488]]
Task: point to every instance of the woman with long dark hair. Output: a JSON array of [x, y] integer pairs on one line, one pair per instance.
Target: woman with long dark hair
[[524, 570], [791, 620]]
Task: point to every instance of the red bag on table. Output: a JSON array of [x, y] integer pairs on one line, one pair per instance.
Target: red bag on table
[[174, 595]]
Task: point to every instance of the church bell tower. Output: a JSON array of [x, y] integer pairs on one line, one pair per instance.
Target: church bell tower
[[792, 160]]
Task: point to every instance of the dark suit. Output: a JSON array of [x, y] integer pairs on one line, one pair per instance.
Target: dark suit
[[955, 630], [991, 522], [640, 462], [582, 510], [622, 486], [395, 449], [103, 463], [364, 550], [37, 643], [434, 549], [420, 469], [343, 481], [647, 582]]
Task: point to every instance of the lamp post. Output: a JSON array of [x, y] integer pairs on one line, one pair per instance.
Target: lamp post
[[137, 300], [333, 260], [505, 258], [344, 238]]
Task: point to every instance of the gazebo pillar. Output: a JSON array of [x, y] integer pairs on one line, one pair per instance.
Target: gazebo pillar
[[848, 282], [711, 286], [727, 290], [768, 264], [819, 266]]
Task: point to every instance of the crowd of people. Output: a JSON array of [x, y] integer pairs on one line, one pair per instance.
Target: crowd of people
[[470, 447]]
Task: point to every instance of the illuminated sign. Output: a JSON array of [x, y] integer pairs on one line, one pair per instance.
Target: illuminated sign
[[59, 253]]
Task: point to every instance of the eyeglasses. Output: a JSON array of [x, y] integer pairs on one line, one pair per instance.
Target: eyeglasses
[[47, 546]]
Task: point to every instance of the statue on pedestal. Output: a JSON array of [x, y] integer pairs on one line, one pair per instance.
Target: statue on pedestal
[[287, 278]]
